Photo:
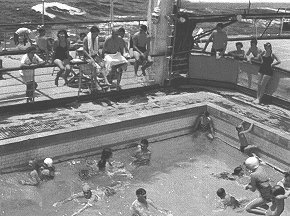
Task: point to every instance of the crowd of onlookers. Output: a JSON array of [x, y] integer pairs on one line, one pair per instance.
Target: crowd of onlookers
[[105, 60], [265, 57]]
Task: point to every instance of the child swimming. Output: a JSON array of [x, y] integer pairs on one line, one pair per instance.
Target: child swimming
[[227, 200], [278, 201], [143, 155], [285, 183], [140, 207], [104, 165]]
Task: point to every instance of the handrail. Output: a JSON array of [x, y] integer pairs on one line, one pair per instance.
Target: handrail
[[238, 58], [54, 65], [68, 23]]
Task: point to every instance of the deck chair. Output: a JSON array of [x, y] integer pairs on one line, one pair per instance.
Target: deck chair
[[88, 78]]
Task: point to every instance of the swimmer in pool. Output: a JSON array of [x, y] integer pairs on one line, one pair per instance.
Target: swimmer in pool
[[278, 202], [90, 196], [285, 183], [250, 150], [227, 200], [48, 169], [204, 123], [105, 165], [140, 207], [143, 155], [35, 175], [238, 172], [259, 181]]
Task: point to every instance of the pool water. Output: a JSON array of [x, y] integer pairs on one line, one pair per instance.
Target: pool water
[[179, 178]]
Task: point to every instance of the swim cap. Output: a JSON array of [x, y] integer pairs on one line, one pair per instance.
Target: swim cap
[[48, 162], [86, 187], [252, 163]]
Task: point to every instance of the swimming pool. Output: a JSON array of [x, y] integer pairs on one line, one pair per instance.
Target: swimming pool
[[179, 179]]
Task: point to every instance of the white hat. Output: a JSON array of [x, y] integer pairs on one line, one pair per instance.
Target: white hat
[[252, 163], [48, 162]]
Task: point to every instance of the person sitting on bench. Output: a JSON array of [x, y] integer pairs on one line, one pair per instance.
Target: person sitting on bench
[[91, 51], [115, 62]]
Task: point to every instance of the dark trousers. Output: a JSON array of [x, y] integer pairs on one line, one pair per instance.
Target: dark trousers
[[29, 88]]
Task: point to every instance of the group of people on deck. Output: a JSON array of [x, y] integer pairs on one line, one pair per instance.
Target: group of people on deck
[[266, 58], [107, 61]]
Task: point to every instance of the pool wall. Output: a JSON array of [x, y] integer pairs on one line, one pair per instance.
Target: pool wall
[[274, 144], [119, 133], [66, 144]]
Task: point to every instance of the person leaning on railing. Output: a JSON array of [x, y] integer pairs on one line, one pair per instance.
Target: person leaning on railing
[[61, 55], [30, 59], [219, 41]]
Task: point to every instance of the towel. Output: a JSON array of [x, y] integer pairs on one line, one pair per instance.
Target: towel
[[113, 60], [93, 50]]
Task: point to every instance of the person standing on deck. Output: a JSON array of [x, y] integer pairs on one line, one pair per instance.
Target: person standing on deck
[[254, 50], [141, 50], [25, 33], [27, 75], [115, 62], [239, 53], [219, 40], [266, 70]]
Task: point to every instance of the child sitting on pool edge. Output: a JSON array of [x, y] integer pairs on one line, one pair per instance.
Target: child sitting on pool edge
[[204, 123]]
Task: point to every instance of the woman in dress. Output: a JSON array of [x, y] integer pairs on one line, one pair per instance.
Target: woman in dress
[[61, 55], [266, 71]]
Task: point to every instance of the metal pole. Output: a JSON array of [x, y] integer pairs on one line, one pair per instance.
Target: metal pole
[[112, 13], [43, 12]]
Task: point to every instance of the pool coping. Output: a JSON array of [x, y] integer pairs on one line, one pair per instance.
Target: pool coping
[[20, 146]]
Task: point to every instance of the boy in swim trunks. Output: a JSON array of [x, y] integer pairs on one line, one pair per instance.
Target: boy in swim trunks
[[278, 202], [143, 155], [140, 207]]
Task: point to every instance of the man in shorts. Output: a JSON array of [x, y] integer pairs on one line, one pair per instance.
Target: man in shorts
[[141, 49]]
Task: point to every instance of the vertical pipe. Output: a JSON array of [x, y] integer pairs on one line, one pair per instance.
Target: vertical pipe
[[43, 12], [5, 40], [112, 13]]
